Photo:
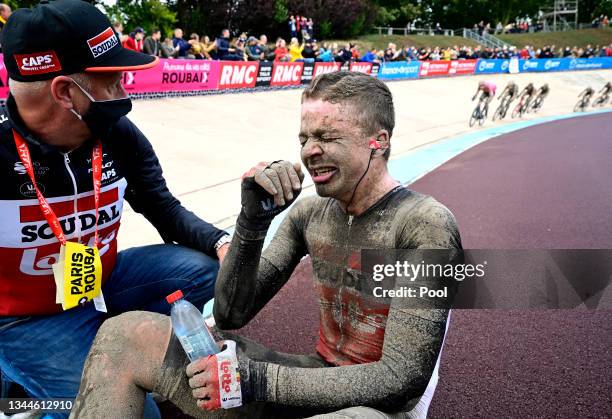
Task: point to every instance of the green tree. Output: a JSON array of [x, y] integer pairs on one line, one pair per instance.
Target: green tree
[[147, 14], [603, 8], [396, 12]]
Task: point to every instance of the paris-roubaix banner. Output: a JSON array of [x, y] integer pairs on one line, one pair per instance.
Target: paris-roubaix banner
[[203, 75]]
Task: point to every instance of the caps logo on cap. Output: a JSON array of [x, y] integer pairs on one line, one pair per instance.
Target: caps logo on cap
[[103, 42], [37, 63]]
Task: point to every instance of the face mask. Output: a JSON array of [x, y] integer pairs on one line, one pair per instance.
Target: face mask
[[103, 114]]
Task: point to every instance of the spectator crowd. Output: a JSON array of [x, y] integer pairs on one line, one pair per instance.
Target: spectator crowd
[[302, 46]]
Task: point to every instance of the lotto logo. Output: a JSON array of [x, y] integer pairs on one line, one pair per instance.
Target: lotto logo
[[103, 42], [37, 63]]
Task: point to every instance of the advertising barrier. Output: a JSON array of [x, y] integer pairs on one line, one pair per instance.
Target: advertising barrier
[[361, 67], [462, 67], [203, 75], [237, 74], [589, 63], [491, 66], [399, 70], [287, 74], [540, 65], [434, 68], [543, 65], [173, 75], [264, 75], [322, 68]]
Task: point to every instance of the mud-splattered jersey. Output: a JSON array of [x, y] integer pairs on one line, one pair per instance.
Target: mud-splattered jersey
[[387, 352]]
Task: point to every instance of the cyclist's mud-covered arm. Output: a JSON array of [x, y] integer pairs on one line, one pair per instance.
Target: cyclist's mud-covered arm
[[149, 195], [247, 279], [413, 338]]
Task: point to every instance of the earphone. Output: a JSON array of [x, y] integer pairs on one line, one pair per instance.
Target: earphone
[[374, 144]]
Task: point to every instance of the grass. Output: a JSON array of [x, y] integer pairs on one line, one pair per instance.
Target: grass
[[579, 38], [381, 41]]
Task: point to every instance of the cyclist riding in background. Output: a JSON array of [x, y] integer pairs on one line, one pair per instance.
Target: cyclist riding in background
[[605, 90], [509, 92], [488, 91], [543, 91], [539, 97], [587, 94], [527, 93]]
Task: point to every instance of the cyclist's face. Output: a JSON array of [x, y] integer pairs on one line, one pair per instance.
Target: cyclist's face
[[334, 148]]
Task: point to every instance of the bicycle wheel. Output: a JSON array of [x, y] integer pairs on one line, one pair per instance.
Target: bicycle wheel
[[505, 110], [499, 112], [598, 102], [474, 117], [579, 106], [540, 104], [483, 117], [517, 110]]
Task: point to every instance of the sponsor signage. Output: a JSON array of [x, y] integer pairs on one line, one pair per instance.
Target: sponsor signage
[[37, 63], [236, 75], [375, 69], [322, 68], [462, 67], [491, 66], [434, 68], [397, 70], [542, 64], [173, 75], [307, 73], [589, 63], [361, 67], [287, 74], [103, 42], [197, 75], [264, 75]]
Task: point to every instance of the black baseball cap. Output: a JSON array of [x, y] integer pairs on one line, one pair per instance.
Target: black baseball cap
[[64, 37]]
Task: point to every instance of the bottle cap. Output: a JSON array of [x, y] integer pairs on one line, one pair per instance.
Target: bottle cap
[[177, 295]]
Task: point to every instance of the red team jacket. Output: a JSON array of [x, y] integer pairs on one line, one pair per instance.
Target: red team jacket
[[130, 171]]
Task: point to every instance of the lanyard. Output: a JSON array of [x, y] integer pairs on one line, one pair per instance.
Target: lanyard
[[54, 224]]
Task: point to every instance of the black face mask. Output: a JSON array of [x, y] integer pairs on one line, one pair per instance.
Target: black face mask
[[103, 114]]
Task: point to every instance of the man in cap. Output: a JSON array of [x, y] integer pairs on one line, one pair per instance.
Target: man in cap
[[69, 159]]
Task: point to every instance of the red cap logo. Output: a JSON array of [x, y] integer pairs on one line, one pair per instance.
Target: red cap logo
[[37, 63], [103, 42]]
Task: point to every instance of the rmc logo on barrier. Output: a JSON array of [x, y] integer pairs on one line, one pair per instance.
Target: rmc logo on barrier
[[287, 74], [236, 75]]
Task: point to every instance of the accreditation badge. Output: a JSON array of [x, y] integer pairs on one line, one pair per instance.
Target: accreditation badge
[[78, 275]]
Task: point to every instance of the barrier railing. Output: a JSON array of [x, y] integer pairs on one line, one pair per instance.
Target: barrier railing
[[384, 30], [189, 77]]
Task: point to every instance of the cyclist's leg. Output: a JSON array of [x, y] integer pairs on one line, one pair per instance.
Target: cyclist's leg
[[137, 352]]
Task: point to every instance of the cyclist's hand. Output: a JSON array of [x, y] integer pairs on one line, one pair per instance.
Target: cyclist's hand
[[267, 189]]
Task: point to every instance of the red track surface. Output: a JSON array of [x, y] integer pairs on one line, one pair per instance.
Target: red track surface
[[548, 186]]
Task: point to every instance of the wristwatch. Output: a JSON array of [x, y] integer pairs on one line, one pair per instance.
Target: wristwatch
[[225, 239]]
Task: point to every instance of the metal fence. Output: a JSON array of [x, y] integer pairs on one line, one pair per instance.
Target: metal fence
[[413, 31]]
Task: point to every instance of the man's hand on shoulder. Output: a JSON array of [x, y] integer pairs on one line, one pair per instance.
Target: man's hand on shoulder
[[268, 189]]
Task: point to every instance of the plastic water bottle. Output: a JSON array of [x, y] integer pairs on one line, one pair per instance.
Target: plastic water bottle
[[189, 328]]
